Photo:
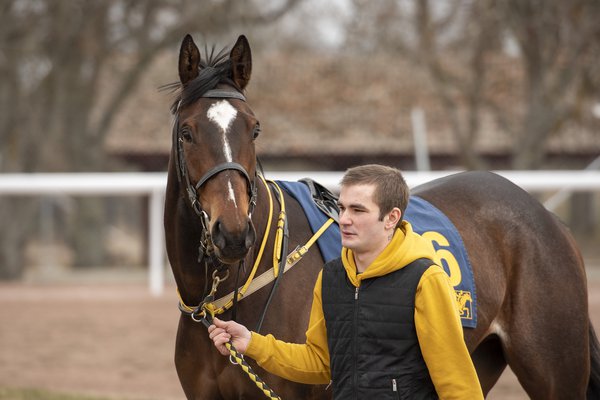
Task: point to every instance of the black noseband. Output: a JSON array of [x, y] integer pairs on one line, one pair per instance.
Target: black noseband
[[222, 167]]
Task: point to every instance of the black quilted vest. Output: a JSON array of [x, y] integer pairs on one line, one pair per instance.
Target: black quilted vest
[[373, 345]]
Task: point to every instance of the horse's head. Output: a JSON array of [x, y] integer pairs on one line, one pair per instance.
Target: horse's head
[[213, 140]]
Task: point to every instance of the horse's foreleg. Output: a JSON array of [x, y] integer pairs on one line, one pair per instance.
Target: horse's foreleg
[[195, 374], [489, 362]]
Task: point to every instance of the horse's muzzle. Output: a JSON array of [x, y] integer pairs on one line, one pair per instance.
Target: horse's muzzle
[[232, 246]]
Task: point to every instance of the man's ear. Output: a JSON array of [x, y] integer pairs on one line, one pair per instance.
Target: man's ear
[[392, 218]]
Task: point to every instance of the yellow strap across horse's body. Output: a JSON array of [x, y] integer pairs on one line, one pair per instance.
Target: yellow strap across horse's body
[[268, 276]]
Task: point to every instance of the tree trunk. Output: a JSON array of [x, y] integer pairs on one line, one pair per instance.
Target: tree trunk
[[88, 232], [17, 216], [583, 218]]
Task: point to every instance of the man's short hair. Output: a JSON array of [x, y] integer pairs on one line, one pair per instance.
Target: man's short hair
[[390, 191]]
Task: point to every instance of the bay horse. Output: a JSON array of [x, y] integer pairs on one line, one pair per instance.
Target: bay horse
[[220, 231]]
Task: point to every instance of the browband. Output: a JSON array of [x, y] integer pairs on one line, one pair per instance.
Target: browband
[[225, 94]]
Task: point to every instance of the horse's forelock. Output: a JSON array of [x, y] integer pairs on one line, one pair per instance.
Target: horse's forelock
[[215, 70]]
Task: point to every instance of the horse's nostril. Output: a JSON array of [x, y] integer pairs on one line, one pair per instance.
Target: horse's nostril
[[250, 235], [218, 238], [233, 242]]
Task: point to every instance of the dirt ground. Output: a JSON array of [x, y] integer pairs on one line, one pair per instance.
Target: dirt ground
[[116, 340]]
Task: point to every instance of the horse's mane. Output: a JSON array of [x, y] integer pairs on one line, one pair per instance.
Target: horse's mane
[[216, 69]]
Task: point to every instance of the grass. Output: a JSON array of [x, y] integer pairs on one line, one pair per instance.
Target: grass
[[39, 394]]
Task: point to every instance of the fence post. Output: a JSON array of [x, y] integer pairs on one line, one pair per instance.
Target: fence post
[[156, 244]]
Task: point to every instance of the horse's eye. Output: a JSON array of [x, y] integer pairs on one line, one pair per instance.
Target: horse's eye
[[186, 134], [256, 131]]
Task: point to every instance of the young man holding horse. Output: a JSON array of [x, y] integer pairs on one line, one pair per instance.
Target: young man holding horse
[[383, 319]]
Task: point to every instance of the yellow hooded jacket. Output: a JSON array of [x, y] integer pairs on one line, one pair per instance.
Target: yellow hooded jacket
[[437, 324]]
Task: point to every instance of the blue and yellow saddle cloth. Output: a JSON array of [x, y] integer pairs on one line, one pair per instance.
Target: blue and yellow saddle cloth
[[428, 221]]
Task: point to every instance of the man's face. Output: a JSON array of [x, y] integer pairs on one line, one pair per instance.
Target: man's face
[[361, 229]]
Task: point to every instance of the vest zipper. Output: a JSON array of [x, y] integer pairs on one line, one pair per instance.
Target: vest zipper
[[355, 345]]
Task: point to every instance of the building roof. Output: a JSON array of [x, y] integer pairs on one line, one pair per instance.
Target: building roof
[[311, 104]]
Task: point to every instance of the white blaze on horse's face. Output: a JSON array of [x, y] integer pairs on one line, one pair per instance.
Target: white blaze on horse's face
[[222, 114]]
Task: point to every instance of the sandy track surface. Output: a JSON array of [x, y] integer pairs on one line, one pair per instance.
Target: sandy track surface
[[114, 340]]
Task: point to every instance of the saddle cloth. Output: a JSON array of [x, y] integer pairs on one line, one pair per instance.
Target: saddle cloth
[[428, 221]]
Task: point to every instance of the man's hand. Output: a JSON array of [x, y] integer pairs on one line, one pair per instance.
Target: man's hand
[[222, 332]]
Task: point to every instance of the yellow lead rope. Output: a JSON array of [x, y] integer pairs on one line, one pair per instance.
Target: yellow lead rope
[[237, 358]]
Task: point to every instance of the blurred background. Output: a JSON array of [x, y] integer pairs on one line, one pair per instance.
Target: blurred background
[[482, 84], [496, 84]]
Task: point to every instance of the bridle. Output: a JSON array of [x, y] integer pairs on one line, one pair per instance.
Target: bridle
[[205, 248]]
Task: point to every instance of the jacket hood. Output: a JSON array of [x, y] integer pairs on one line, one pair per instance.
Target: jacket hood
[[405, 247]]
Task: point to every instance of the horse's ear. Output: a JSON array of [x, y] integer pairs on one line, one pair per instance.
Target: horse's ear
[[189, 60], [241, 62]]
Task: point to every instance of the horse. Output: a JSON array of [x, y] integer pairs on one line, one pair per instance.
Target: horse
[[220, 232]]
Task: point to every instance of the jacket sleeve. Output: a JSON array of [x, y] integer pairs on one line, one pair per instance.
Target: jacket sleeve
[[440, 334], [304, 363]]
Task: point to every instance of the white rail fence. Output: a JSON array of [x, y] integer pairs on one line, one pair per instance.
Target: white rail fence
[[153, 186]]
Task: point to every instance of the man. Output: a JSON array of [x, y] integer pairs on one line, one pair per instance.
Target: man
[[383, 317]]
